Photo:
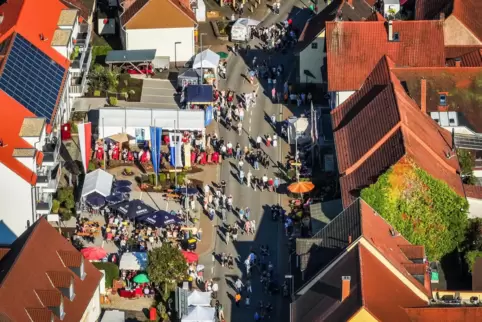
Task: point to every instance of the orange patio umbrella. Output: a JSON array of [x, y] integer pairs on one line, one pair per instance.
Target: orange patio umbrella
[[301, 187]]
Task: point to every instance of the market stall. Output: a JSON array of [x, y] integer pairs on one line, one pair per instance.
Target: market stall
[[207, 62], [242, 29], [196, 96], [189, 77], [200, 314], [97, 183], [198, 298], [135, 261]]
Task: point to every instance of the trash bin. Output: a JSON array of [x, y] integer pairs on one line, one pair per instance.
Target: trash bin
[[152, 314]]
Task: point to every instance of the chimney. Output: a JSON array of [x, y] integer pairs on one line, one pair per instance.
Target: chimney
[[345, 287], [349, 239], [458, 61], [423, 95], [390, 30]]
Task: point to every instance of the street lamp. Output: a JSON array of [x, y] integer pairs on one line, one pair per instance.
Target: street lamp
[[175, 52], [201, 53]]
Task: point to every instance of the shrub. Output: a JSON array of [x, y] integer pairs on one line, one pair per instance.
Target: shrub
[[65, 214], [111, 272], [74, 128], [471, 257], [97, 93], [55, 206], [162, 177], [181, 178], [124, 95], [113, 101], [91, 166], [152, 179]]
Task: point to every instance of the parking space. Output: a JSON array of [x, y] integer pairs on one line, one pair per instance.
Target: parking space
[[156, 91]]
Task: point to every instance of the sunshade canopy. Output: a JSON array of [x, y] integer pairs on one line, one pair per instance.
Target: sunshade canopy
[[114, 316], [121, 137], [199, 298], [246, 22], [97, 181], [190, 256], [160, 218], [95, 199], [113, 199], [141, 278], [133, 209], [200, 314], [301, 187], [130, 56], [206, 59], [93, 253], [136, 261], [199, 94]]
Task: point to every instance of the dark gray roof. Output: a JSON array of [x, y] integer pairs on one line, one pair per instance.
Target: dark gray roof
[[317, 252], [133, 56], [322, 300]]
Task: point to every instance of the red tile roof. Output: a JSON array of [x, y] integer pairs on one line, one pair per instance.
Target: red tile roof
[[182, 5], [431, 9], [468, 13], [24, 275], [470, 59], [377, 231], [132, 10], [413, 251], [473, 191], [445, 314], [39, 315], [10, 124], [384, 294], [354, 48], [380, 124], [458, 51]]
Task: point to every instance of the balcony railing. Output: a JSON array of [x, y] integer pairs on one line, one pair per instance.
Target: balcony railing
[[48, 178], [83, 37], [83, 60], [51, 150], [44, 204]]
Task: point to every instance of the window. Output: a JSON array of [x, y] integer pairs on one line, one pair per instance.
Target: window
[[71, 290], [443, 99], [396, 36], [314, 45]]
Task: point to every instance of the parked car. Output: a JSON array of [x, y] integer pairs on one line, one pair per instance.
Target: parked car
[[145, 68]]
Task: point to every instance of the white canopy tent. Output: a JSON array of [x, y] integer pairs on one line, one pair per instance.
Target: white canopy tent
[[135, 261], [97, 181], [298, 129], [240, 31], [206, 59], [197, 298], [200, 314], [114, 316], [136, 121]]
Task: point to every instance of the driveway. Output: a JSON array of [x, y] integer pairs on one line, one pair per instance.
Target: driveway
[[159, 92]]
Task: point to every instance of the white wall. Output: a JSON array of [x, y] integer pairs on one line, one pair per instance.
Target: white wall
[[63, 50], [312, 59], [475, 208], [29, 162], [15, 203], [92, 312], [163, 40], [343, 96]]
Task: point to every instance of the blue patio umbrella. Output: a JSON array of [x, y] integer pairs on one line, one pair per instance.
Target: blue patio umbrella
[[123, 183], [123, 189], [161, 218], [113, 199], [133, 209], [95, 200]]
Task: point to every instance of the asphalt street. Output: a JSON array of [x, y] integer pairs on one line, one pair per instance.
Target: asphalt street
[[268, 232]]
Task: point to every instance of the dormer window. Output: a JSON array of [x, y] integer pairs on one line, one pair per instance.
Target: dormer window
[[61, 310], [71, 290], [443, 99], [81, 270]]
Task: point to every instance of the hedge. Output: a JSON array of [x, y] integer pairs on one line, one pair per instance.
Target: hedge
[[111, 272]]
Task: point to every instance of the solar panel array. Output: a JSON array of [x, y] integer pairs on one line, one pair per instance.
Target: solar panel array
[[32, 78]]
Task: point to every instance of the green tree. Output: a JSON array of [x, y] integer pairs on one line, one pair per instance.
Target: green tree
[[166, 266], [112, 78], [426, 211], [97, 77], [467, 164], [471, 257]]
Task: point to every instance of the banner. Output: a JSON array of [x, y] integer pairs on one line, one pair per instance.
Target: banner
[[208, 115], [85, 141], [175, 149], [156, 140]]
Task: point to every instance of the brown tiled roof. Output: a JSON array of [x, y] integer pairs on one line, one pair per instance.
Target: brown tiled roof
[[49, 298], [84, 10], [354, 48], [415, 269], [413, 251], [23, 275], [70, 258], [60, 279], [457, 313], [3, 252], [384, 294], [473, 191], [376, 16], [39, 314], [468, 13], [470, 59], [380, 124], [461, 84], [431, 9], [132, 11], [184, 7], [458, 51], [315, 25]]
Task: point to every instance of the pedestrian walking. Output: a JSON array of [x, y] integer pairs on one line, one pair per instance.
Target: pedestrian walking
[[215, 288], [239, 285], [247, 301], [223, 214], [227, 237], [237, 299], [259, 140], [235, 233], [249, 287]]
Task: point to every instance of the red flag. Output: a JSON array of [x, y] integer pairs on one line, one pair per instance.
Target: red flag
[[85, 142]]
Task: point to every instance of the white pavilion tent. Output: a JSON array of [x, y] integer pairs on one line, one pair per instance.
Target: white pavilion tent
[[200, 314], [97, 181], [206, 59], [198, 298]]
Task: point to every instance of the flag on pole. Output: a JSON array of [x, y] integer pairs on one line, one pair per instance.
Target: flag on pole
[[85, 142], [156, 141], [175, 149]]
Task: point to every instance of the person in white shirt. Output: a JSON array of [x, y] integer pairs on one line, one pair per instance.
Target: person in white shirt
[[259, 140], [215, 290]]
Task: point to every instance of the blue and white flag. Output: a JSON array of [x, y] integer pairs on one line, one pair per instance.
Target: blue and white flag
[[175, 149], [156, 141]]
